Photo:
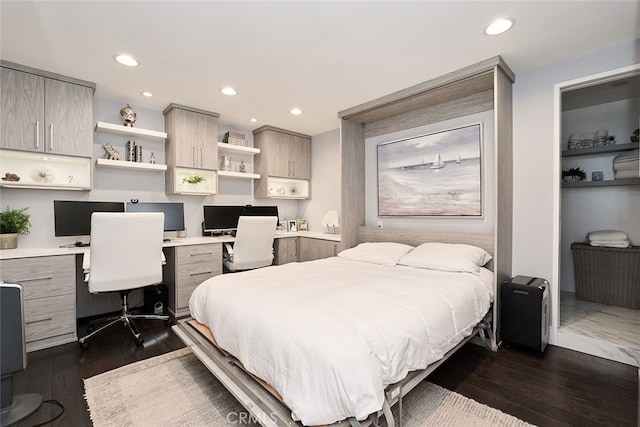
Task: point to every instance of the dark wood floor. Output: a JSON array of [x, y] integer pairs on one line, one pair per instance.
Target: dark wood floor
[[561, 388]]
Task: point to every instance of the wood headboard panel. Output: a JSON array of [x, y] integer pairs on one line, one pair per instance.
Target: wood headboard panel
[[414, 237]]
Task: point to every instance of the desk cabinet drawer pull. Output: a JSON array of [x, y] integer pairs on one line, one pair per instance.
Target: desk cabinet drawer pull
[[31, 279], [202, 272], [201, 253], [44, 319]]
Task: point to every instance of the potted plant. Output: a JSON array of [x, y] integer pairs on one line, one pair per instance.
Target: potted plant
[[193, 180], [12, 223], [573, 174]]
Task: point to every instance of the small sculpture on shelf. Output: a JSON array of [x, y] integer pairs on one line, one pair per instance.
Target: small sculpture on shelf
[[110, 152], [12, 177], [242, 167], [128, 114]]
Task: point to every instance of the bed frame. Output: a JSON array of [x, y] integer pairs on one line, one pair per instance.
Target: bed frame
[[268, 410]]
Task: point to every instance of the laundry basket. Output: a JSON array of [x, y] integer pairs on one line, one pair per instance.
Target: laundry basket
[[607, 275]]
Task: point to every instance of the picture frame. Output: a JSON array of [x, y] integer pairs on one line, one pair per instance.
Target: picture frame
[[437, 174], [291, 225], [301, 225], [282, 226]]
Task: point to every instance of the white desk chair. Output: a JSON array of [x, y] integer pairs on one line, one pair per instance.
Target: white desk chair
[[125, 254], [253, 245]]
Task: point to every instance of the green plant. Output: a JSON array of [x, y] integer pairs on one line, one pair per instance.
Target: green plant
[[193, 179], [14, 221], [575, 172]]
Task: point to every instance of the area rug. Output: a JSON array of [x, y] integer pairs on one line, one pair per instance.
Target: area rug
[[175, 389]]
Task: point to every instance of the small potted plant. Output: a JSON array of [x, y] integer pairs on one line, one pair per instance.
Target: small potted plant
[[12, 223], [193, 180], [573, 175]]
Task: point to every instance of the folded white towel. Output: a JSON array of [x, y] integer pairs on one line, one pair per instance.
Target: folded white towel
[[629, 165], [625, 174], [607, 235], [627, 155], [611, 243]]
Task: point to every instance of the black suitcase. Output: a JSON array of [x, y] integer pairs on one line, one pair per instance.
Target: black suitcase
[[525, 312]]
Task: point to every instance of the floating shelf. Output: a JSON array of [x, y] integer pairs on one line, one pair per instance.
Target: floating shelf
[[239, 175], [126, 130], [238, 148], [130, 165]]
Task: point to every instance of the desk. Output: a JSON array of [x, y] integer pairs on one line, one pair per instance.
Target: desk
[[56, 295]]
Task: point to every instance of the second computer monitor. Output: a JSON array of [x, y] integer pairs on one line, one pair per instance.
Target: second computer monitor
[[223, 218], [173, 212]]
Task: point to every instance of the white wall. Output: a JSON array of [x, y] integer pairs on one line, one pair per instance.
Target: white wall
[[475, 225], [123, 185], [535, 153], [325, 179]]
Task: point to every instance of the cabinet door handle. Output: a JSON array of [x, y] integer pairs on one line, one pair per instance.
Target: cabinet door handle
[[32, 279], [37, 134], [293, 168], [201, 157], [51, 137], [202, 272], [193, 156], [42, 319]]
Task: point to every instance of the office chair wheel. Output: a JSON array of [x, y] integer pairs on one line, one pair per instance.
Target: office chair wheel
[[139, 341], [170, 322], [85, 345]]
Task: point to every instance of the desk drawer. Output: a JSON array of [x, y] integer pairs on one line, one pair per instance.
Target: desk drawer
[[41, 277], [49, 317], [211, 254], [190, 276]]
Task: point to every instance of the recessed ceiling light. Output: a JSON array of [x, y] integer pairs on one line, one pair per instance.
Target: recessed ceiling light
[[499, 26], [147, 94], [295, 111], [228, 91], [127, 60], [253, 119]]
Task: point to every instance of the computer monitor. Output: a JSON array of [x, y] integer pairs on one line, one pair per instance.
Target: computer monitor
[[73, 218], [173, 213], [220, 218], [250, 210]]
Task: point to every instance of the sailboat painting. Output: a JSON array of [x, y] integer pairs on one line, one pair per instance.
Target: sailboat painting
[[438, 174]]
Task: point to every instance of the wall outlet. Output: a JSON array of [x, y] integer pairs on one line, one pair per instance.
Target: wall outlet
[[379, 224]]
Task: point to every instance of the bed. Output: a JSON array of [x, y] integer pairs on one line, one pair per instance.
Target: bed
[[342, 339]]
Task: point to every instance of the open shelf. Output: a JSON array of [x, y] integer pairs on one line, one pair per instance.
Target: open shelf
[[608, 183], [237, 148], [600, 150], [126, 130], [239, 175], [130, 165], [45, 171]]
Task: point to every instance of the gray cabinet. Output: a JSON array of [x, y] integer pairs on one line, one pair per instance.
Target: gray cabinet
[[311, 249], [286, 250], [284, 158], [47, 114], [191, 149], [186, 268], [49, 284]]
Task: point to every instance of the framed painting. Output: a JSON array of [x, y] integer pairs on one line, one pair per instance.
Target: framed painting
[[437, 174]]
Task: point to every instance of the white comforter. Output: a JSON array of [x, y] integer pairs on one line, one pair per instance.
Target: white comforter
[[330, 334]]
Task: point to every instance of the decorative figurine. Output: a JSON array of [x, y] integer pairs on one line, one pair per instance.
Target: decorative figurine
[[11, 177], [242, 167], [110, 152], [128, 115]]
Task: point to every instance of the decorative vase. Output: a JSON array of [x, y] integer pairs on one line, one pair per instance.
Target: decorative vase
[[9, 241]]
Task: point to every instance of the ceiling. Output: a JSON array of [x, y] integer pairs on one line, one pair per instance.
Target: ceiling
[[320, 56]]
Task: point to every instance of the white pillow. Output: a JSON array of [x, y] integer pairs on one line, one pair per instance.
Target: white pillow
[[447, 257], [383, 253]]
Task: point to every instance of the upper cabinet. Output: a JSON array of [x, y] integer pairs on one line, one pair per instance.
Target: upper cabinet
[[191, 150], [284, 163], [45, 112]]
